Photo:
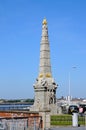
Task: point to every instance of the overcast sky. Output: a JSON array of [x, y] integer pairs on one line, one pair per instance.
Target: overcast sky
[[20, 36]]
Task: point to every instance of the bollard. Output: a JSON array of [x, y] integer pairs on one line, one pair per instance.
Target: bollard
[[75, 120]]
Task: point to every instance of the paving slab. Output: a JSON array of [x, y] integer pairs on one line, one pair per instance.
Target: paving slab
[[69, 128]]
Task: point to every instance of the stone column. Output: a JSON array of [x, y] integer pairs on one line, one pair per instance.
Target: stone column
[[46, 119]]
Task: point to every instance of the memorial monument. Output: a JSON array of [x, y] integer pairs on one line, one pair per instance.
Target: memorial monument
[[45, 86]]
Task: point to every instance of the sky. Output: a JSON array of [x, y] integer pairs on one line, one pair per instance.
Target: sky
[[20, 36]]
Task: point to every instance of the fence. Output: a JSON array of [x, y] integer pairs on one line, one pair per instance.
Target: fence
[[31, 123]]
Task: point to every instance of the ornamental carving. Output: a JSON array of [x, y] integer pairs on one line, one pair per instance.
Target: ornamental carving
[[52, 99]]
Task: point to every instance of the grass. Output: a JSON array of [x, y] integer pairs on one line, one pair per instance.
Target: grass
[[65, 120]]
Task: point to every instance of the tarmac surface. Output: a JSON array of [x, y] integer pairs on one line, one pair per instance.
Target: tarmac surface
[[69, 128]]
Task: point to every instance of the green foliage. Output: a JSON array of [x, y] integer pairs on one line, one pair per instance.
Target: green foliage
[[13, 101], [29, 100], [65, 120]]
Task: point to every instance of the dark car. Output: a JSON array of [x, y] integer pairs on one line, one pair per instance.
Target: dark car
[[83, 106], [72, 109]]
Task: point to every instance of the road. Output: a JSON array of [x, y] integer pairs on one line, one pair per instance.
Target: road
[[69, 128]]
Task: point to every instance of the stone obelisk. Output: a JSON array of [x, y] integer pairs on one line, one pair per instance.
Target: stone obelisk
[[45, 86]]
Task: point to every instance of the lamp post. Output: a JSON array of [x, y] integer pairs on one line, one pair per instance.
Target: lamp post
[[69, 90], [69, 96]]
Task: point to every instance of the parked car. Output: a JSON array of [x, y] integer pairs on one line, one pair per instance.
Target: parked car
[[83, 106], [72, 109]]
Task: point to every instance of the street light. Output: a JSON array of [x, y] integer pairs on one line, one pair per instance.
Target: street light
[[69, 97], [69, 90]]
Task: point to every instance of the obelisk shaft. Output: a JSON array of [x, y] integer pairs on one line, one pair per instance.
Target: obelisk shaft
[[45, 65]]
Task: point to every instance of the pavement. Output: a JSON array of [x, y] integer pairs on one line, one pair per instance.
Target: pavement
[[70, 128]]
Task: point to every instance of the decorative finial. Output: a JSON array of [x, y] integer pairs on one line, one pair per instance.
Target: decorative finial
[[44, 21]]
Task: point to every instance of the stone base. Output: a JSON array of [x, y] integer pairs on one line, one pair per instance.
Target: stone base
[[53, 109]]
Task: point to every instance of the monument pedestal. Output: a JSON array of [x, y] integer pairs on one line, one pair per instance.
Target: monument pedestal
[[46, 119]]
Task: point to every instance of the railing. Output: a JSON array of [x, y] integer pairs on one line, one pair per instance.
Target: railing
[[31, 123]]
